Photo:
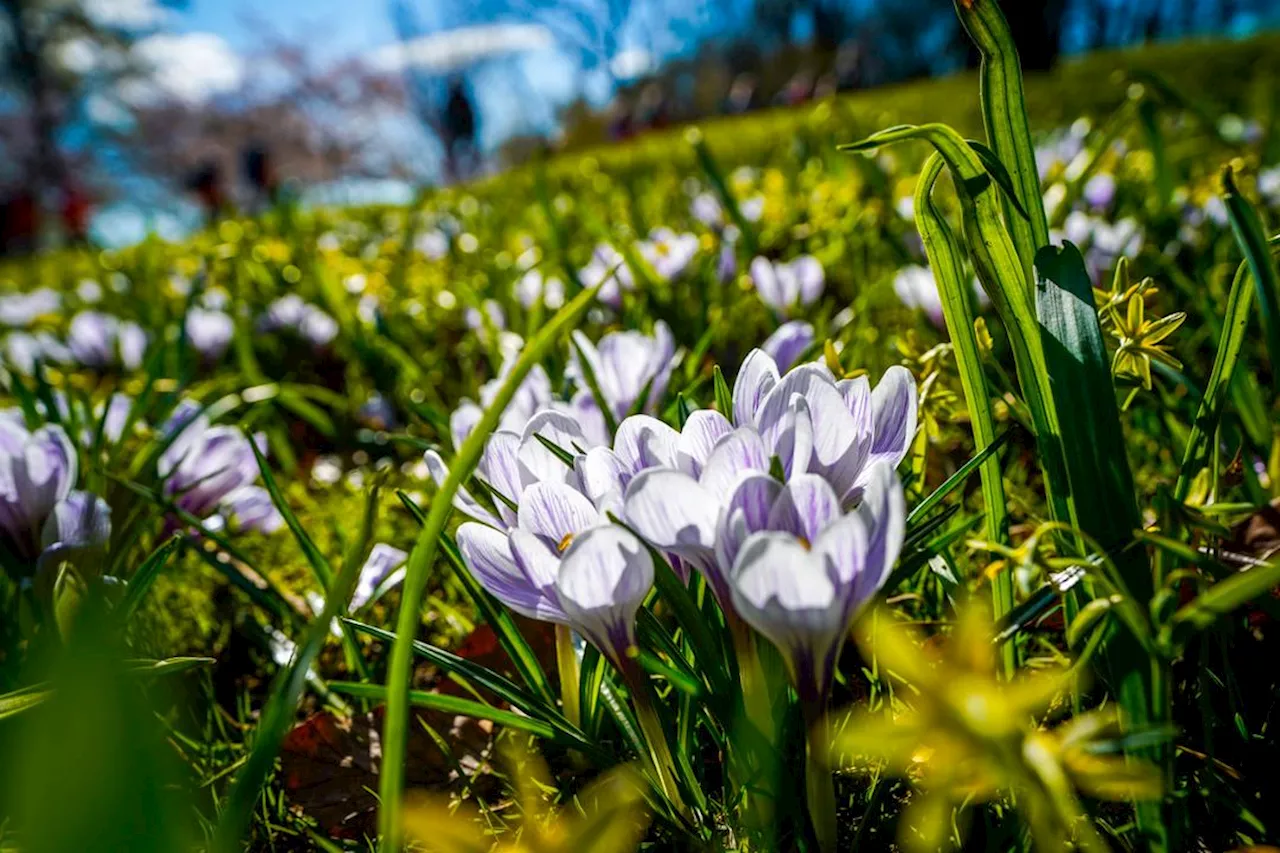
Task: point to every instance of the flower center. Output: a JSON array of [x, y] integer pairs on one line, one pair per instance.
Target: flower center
[[804, 543], [565, 543]]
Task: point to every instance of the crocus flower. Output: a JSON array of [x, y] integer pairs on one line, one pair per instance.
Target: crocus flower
[[205, 468], [533, 394], [785, 287], [284, 313], [563, 564], [917, 288], [608, 269], [492, 315], [209, 332], [22, 351], [384, 568], [317, 327], [788, 343], [801, 582], [533, 288], [22, 309], [625, 364], [80, 521], [1269, 184], [251, 508], [1100, 191], [705, 208], [668, 253], [37, 470], [100, 340], [815, 423]]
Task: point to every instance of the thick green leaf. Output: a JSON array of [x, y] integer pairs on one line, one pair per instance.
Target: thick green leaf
[[1247, 226]]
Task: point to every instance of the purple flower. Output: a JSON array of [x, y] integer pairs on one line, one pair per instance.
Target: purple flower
[[285, 313], [917, 288], [785, 287], [80, 521], [607, 267], [492, 315], [625, 364], [788, 343], [803, 577], [317, 327], [668, 253], [22, 351], [209, 332], [705, 208], [206, 467], [1100, 191], [532, 288], [533, 395], [22, 309], [37, 470], [100, 340], [250, 508], [563, 563], [383, 569]]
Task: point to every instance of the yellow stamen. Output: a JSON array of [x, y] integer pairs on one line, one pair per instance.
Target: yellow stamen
[[565, 543]]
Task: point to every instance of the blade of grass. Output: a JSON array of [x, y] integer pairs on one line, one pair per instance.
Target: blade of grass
[[395, 727], [957, 308]]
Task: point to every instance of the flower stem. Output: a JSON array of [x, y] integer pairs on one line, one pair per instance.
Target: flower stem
[[819, 787], [567, 665], [756, 769], [664, 764]]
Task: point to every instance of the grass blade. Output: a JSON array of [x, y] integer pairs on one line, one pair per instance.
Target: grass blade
[[395, 728]]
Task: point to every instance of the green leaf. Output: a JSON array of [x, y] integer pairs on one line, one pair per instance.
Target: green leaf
[[1224, 597], [1209, 413], [724, 397], [451, 704], [142, 579], [1000, 175], [1257, 254], [319, 565]]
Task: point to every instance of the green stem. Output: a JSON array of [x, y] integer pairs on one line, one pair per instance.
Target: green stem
[[567, 665], [819, 786], [664, 765]]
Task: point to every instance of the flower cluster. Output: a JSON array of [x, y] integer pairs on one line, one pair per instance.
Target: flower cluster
[[789, 506]]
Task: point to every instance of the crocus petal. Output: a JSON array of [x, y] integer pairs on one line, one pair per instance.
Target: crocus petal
[[809, 277], [380, 566], [463, 421], [603, 580], [739, 451], [806, 506], [769, 284], [604, 478], [463, 500], [747, 512], [81, 519], [644, 442], [673, 512], [537, 462], [893, 404], [756, 378], [704, 428], [556, 513], [488, 554], [787, 595], [788, 343], [884, 512]]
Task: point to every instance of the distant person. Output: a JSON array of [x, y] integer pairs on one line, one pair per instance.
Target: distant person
[[460, 152], [260, 173], [208, 185]]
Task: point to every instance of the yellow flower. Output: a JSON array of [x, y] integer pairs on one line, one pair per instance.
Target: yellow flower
[[608, 816]]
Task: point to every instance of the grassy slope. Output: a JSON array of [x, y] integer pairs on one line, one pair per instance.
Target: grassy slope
[[1232, 75]]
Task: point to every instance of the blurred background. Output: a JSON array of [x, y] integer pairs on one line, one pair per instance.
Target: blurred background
[[124, 117]]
